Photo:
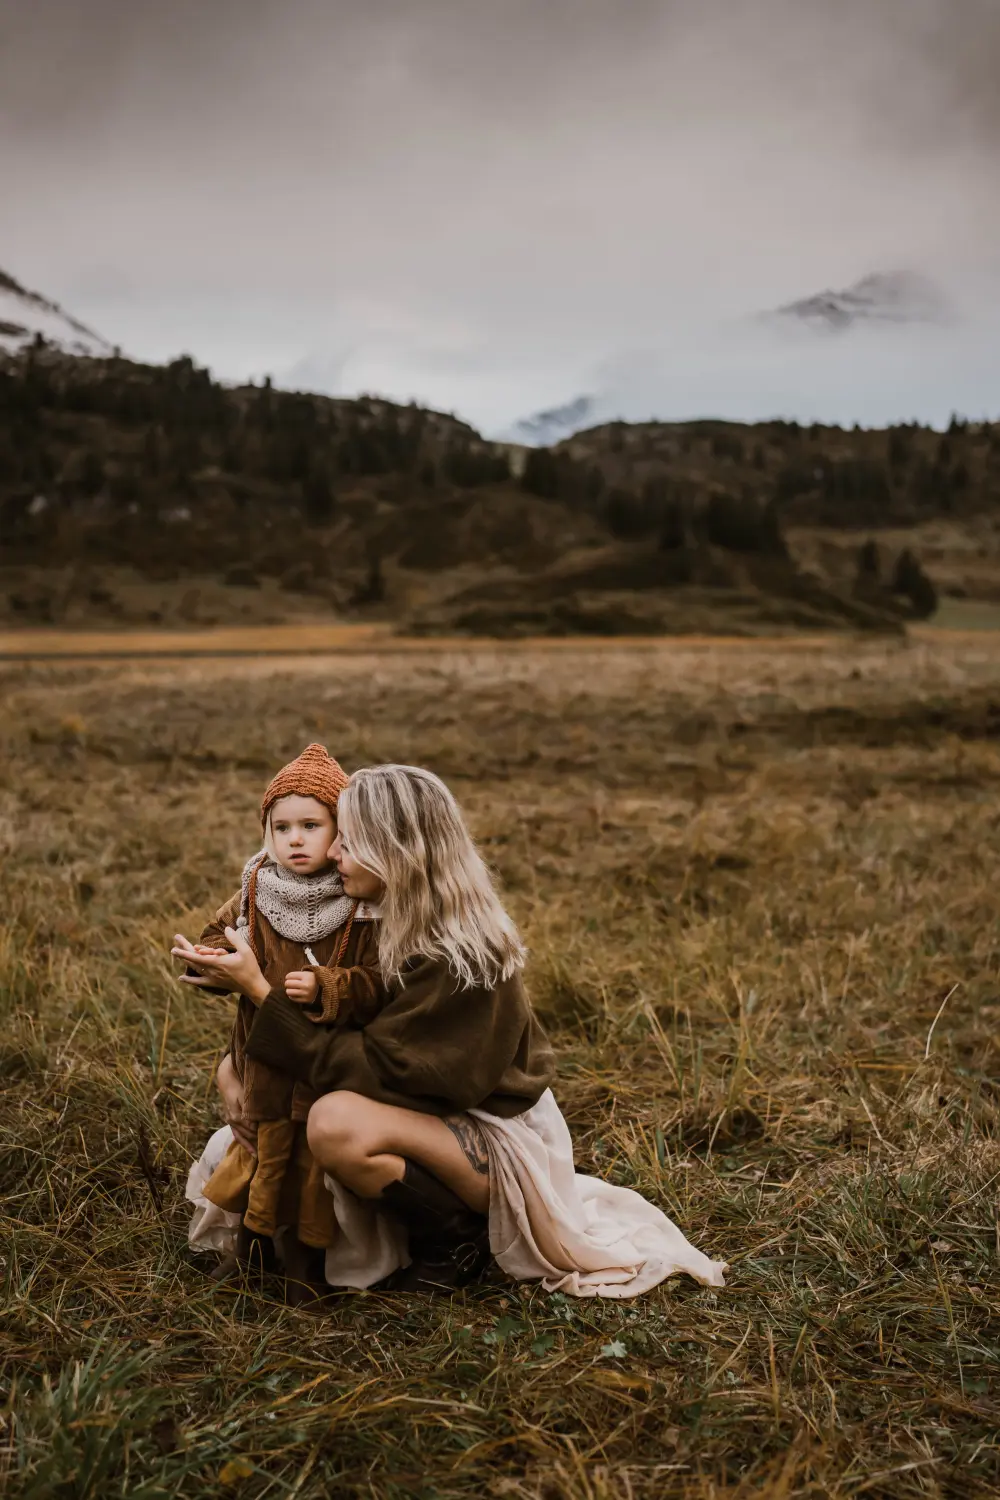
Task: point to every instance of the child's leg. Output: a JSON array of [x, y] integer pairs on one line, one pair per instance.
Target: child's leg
[[313, 1208], [275, 1144]]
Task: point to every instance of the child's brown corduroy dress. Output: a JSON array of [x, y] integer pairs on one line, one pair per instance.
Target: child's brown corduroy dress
[[289, 919]]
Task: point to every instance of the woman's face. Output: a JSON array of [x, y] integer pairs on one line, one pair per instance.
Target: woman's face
[[358, 882]]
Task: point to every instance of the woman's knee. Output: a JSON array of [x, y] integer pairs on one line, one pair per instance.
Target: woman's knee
[[334, 1128]]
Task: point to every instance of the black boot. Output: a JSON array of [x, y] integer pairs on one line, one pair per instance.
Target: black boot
[[449, 1241], [253, 1257], [305, 1279]]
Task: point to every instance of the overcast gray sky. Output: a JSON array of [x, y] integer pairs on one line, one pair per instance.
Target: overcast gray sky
[[493, 205]]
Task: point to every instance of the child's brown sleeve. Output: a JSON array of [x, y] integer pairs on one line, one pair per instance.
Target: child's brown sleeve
[[351, 997], [214, 935]]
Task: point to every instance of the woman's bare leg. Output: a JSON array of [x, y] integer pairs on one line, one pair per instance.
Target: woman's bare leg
[[363, 1143]]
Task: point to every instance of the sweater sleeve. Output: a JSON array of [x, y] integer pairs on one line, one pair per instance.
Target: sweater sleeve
[[349, 996], [434, 1046], [214, 935]]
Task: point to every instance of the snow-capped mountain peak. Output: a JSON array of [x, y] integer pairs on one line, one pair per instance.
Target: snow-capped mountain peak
[[543, 428], [884, 297], [24, 316]]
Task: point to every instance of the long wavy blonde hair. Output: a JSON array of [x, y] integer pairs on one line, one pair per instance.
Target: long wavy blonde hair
[[403, 824]]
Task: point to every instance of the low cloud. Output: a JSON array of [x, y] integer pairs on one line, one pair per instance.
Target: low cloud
[[496, 208]]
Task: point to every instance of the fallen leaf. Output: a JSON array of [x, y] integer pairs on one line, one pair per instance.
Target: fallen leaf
[[235, 1470]]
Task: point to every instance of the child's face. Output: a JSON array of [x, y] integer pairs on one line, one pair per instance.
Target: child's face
[[302, 831]]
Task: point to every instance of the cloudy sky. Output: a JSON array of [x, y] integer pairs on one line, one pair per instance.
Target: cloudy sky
[[495, 205]]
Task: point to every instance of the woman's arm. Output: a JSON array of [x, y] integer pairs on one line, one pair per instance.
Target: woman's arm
[[435, 1046]]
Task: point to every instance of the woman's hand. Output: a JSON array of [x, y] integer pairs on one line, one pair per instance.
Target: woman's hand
[[202, 981], [237, 971], [231, 1089], [302, 986]]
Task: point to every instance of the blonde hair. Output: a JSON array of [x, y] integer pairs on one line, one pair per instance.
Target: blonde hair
[[403, 824]]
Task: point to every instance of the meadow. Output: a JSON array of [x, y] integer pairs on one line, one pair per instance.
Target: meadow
[[760, 886]]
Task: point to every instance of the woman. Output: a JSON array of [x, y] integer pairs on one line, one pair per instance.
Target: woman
[[437, 1126]]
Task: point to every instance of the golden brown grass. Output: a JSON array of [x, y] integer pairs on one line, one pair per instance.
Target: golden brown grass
[[760, 889]]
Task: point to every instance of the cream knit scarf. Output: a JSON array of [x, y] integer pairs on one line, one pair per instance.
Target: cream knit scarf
[[302, 908]]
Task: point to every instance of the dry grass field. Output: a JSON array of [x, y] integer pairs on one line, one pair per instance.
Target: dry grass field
[[761, 887]]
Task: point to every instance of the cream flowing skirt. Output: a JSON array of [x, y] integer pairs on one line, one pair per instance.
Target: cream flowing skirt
[[548, 1222]]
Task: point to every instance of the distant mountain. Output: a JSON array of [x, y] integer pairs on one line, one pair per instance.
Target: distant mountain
[[547, 427], [25, 315], [885, 297]]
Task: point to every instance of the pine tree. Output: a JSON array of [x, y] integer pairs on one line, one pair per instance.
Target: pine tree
[[541, 474], [731, 524], [152, 451], [624, 514], [92, 474], [899, 448], [372, 591], [771, 537], [910, 580], [869, 562], [673, 527], [317, 496], [727, 445]]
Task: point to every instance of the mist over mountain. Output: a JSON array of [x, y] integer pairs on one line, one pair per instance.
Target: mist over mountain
[[349, 199], [892, 347], [883, 297]]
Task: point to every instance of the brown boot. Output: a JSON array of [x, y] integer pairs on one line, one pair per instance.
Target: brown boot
[[449, 1241]]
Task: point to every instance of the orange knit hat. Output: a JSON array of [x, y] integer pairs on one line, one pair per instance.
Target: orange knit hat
[[314, 773]]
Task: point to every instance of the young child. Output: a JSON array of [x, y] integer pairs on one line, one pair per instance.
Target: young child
[[320, 947]]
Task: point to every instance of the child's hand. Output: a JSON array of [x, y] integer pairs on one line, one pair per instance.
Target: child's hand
[[302, 986]]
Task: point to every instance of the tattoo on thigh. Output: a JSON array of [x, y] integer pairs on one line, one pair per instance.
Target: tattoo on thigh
[[472, 1141]]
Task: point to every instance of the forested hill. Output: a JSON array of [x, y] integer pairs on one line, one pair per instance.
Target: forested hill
[[817, 476], [164, 473]]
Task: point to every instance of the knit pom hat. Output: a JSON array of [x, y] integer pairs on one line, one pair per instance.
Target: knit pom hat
[[314, 773]]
